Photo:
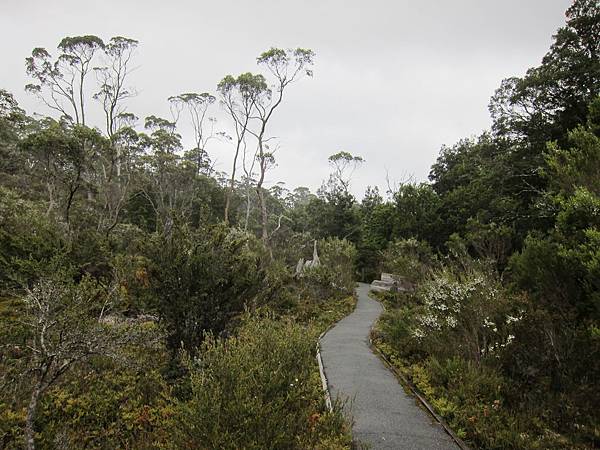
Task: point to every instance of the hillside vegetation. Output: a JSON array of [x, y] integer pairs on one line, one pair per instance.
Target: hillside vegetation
[[150, 301]]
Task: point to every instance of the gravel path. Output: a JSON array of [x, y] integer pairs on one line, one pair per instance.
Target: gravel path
[[385, 417]]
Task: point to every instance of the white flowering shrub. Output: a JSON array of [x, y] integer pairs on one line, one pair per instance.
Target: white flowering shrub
[[464, 312], [460, 309]]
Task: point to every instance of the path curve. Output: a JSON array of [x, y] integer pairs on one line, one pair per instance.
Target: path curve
[[385, 416]]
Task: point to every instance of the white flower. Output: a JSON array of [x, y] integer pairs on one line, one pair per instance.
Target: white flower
[[451, 321], [429, 321], [440, 307], [417, 333], [511, 319]]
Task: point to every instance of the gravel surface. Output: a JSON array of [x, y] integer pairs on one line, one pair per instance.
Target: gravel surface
[[385, 416]]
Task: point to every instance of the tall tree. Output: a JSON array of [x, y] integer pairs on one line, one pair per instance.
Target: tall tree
[[166, 184], [545, 104], [239, 98], [343, 164], [286, 66], [553, 97], [112, 76], [61, 82], [197, 106]]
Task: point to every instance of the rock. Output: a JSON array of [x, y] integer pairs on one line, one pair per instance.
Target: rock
[[309, 264], [299, 267], [384, 285], [392, 282], [387, 277], [315, 261]]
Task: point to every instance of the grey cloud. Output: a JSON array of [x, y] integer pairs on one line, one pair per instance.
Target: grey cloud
[[394, 80]]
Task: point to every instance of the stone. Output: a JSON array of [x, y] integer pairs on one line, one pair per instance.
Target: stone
[[392, 282]]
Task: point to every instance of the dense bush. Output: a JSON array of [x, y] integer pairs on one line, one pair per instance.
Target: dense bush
[[202, 279], [114, 257], [107, 406], [459, 309], [411, 258], [30, 241], [336, 273], [259, 389], [504, 372]]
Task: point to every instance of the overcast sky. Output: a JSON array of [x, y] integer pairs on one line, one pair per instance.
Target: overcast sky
[[394, 80]]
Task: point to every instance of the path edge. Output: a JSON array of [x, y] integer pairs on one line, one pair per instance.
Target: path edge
[[324, 381]]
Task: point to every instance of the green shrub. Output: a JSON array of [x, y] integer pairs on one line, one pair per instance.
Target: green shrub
[[107, 407], [398, 327], [504, 373], [259, 389], [29, 241], [335, 276], [459, 310], [203, 279], [409, 258]]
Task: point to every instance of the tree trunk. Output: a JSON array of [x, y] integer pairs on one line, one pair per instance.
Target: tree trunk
[[231, 184], [265, 220], [227, 201], [261, 194], [31, 411], [264, 215], [50, 187], [118, 148], [247, 218]]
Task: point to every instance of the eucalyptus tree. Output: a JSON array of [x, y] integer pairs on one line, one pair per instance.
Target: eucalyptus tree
[[334, 211], [167, 181], [60, 82], [239, 98], [285, 66], [197, 106], [344, 164], [113, 167], [112, 77], [248, 182], [63, 158]]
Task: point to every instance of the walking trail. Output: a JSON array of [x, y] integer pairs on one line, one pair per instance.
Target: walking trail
[[385, 417]]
